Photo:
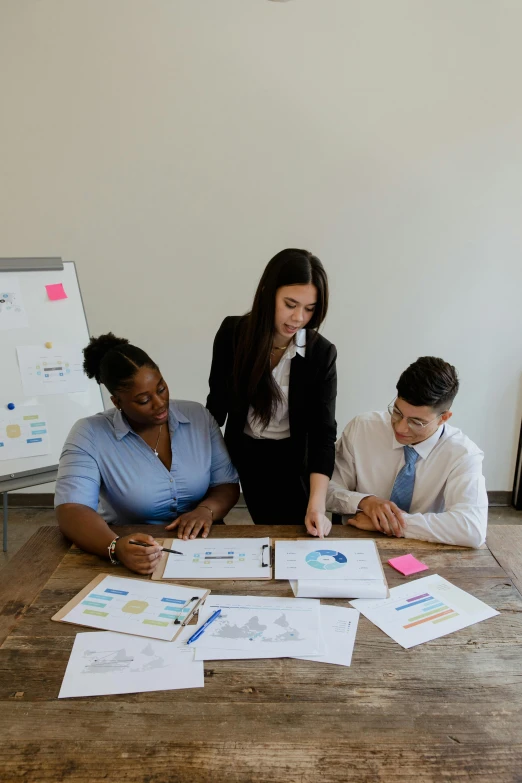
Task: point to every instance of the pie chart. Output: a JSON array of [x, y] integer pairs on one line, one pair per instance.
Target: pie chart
[[326, 559]]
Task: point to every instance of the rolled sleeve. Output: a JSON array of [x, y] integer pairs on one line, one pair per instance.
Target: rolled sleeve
[[222, 470], [79, 477]]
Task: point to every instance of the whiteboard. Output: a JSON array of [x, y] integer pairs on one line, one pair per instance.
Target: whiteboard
[[56, 322]]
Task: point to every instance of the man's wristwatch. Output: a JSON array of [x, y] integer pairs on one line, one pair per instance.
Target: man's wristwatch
[[111, 548]]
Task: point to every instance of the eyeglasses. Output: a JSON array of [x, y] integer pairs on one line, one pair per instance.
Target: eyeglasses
[[415, 425]]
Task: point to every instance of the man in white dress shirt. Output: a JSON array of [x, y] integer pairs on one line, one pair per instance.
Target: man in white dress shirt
[[407, 471]]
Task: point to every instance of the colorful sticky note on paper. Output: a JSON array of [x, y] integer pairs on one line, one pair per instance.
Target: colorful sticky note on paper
[[55, 291], [407, 564]]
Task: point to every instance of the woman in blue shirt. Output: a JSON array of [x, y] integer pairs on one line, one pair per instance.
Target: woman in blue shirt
[[147, 460]]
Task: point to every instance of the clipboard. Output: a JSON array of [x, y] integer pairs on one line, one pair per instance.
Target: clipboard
[[178, 626], [172, 543]]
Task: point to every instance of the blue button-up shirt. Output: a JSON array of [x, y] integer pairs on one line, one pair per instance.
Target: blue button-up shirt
[[105, 465]]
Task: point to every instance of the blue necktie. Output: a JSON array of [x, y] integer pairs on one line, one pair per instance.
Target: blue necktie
[[402, 491]]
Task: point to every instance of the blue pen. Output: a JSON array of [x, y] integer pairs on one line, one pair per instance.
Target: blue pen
[[204, 627]]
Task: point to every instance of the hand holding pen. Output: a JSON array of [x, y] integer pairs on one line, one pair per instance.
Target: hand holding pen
[[139, 552]]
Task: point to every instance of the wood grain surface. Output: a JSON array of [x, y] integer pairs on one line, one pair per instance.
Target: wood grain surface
[[448, 710], [26, 573], [506, 546]]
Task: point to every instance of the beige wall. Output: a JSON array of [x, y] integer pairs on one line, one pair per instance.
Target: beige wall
[[171, 147]]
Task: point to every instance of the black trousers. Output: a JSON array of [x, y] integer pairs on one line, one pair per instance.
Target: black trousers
[[274, 490]]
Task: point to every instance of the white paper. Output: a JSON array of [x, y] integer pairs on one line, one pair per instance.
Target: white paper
[[327, 560], [262, 627], [56, 370], [423, 610], [12, 311], [226, 558], [338, 630], [24, 432], [135, 606], [339, 627], [340, 588], [105, 663]]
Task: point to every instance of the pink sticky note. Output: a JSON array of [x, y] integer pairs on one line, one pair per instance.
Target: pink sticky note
[[407, 564], [55, 291]]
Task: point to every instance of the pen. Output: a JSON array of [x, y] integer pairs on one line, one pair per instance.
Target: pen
[[163, 549], [204, 627]]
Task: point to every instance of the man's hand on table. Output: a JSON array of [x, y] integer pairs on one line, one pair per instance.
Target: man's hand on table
[[385, 516], [363, 522]]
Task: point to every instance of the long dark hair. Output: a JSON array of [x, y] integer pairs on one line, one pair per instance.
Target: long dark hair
[[113, 361], [252, 372]]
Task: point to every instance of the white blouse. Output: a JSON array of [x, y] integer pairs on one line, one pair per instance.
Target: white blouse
[[279, 425]]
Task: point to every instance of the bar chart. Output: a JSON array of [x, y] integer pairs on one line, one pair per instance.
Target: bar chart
[[430, 610], [423, 610]]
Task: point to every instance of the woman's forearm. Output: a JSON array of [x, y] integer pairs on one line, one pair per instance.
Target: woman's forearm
[[221, 499], [85, 528], [91, 533], [318, 486]]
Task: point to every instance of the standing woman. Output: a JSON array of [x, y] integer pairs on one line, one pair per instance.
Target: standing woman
[[273, 378]]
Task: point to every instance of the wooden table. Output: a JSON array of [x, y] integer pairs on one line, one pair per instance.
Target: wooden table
[[448, 710]]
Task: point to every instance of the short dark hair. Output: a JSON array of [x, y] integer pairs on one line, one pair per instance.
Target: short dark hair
[[113, 361], [429, 381]]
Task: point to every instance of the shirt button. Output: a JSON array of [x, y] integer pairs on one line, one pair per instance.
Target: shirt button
[[172, 481]]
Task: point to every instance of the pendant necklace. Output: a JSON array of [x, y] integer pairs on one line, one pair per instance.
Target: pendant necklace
[[156, 446]]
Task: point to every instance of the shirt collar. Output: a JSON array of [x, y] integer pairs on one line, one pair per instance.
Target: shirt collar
[[424, 448], [176, 416], [122, 427], [298, 345]]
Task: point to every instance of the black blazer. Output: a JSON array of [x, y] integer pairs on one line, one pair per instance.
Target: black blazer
[[311, 398]]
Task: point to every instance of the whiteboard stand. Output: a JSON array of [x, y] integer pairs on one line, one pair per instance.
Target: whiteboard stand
[[28, 478], [58, 322], [4, 524]]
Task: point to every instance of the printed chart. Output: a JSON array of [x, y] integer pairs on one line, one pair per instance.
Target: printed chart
[[339, 559], [265, 627], [135, 607], [423, 610], [57, 370], [23, 433], [429, 608], [103, 663], [338, 630], [326, 559], [12, 312], [231, 558]]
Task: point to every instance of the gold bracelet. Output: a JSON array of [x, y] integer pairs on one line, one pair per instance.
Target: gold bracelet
[[202, 505]]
